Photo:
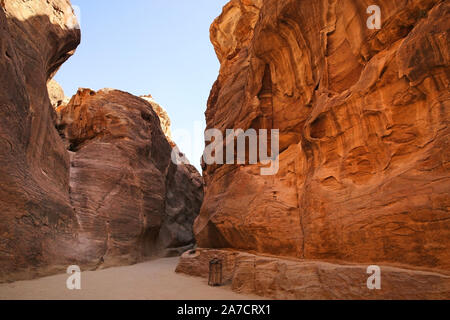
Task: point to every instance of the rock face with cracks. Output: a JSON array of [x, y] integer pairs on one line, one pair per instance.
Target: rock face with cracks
[[102, 191], [364, 139]]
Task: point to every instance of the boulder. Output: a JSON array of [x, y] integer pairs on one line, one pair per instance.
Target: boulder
[[56, 94], [91, 183]]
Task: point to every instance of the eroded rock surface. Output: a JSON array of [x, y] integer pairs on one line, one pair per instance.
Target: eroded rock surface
[[163, 117], [363, 118], [56, 94], [130, 200], [37, 223], [103, 190], [278, 278]]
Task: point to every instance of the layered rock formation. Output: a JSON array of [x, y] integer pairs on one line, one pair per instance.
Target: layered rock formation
[[103, 190], [363, 119], [130, 200], [284, 278], [56, 94]]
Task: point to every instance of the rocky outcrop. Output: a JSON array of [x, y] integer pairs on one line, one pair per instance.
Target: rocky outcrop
[[163, 117], [37, 223], [102, 190], [56, 94], [283, 278], [363, 120], [130, 200]]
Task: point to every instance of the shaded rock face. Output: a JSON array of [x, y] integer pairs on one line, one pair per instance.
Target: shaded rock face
[[363, 120], [102, 190], [37, 222], [130, 200], [163, 118]]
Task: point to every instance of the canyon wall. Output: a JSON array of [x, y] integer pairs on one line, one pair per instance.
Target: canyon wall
[[130, 200], [90, 184], [363, 118], [37, 223]]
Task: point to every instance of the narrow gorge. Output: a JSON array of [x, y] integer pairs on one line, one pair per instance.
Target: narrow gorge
[[363, 175]]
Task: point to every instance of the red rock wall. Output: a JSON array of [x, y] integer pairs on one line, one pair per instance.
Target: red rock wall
[[130, 200], [363, 118], [100, 192], [37, 222]]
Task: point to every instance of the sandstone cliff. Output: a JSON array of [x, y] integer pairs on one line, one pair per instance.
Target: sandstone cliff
[[363, 118], [130, 200], [102, 191], [37, 223], [56, 94]]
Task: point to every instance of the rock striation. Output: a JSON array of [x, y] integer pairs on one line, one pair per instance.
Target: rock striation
[[37, 223], [91, 183], [130, 200], [56, 94], [163, 117], [364, 139]]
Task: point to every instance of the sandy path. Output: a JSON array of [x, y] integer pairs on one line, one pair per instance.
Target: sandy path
[[153, 280]]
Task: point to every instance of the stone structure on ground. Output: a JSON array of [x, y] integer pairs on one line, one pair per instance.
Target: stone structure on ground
[[364, 138]]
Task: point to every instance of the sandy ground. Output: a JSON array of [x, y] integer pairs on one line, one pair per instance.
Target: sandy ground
[[153, 280]]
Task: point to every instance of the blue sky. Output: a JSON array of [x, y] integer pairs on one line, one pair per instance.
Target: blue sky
[[157, 47]]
